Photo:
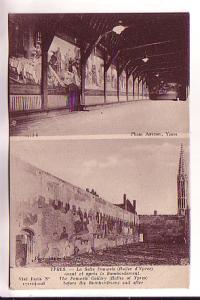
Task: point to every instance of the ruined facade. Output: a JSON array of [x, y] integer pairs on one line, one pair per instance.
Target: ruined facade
[[52, 218], [162, 228], [170, 228]]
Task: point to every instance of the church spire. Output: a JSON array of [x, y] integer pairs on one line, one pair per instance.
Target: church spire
[[181, 162], [182, 185]]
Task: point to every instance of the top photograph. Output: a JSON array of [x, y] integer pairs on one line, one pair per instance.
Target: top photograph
[[98, 74]]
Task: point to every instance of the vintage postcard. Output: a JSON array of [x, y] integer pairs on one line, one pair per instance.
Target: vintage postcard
[[88, 74], [99, 150], [108, 213]]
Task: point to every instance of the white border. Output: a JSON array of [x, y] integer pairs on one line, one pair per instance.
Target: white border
[[19, 6]]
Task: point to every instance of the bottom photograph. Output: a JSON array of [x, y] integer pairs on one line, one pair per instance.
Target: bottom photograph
[[103, 203]]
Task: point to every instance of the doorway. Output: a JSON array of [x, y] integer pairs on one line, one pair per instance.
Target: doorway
[[24, 247]]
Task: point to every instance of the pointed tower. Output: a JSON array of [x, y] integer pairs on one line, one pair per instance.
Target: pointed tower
[[182, 185]]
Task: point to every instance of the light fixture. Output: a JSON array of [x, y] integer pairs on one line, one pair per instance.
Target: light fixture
[[157, 75], [145, 59], [119, 28]]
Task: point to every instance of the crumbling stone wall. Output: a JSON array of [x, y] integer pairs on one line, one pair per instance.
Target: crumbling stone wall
[[162, 228], [47, 204]]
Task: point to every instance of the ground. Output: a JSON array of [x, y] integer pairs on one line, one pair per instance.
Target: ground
[[121, 118], [134, 254]]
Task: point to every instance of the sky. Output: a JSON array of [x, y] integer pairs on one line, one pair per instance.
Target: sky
[[143, 169]]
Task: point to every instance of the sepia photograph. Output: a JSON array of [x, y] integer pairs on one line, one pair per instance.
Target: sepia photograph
[[99, 150], [99, 203], [98, 73]]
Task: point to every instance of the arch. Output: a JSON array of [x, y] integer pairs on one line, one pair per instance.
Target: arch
[[24, 246], [28, 230]]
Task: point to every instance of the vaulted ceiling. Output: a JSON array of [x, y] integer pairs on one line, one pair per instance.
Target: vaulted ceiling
[[162, 37]]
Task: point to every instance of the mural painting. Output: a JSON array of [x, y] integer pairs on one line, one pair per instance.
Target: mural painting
[[94, 72], [112, 78], [130, 85], [122, 82], [64, 66], [24, 58]]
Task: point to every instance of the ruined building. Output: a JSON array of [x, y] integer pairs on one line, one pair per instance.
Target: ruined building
[[158, 228], [54, 219]]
